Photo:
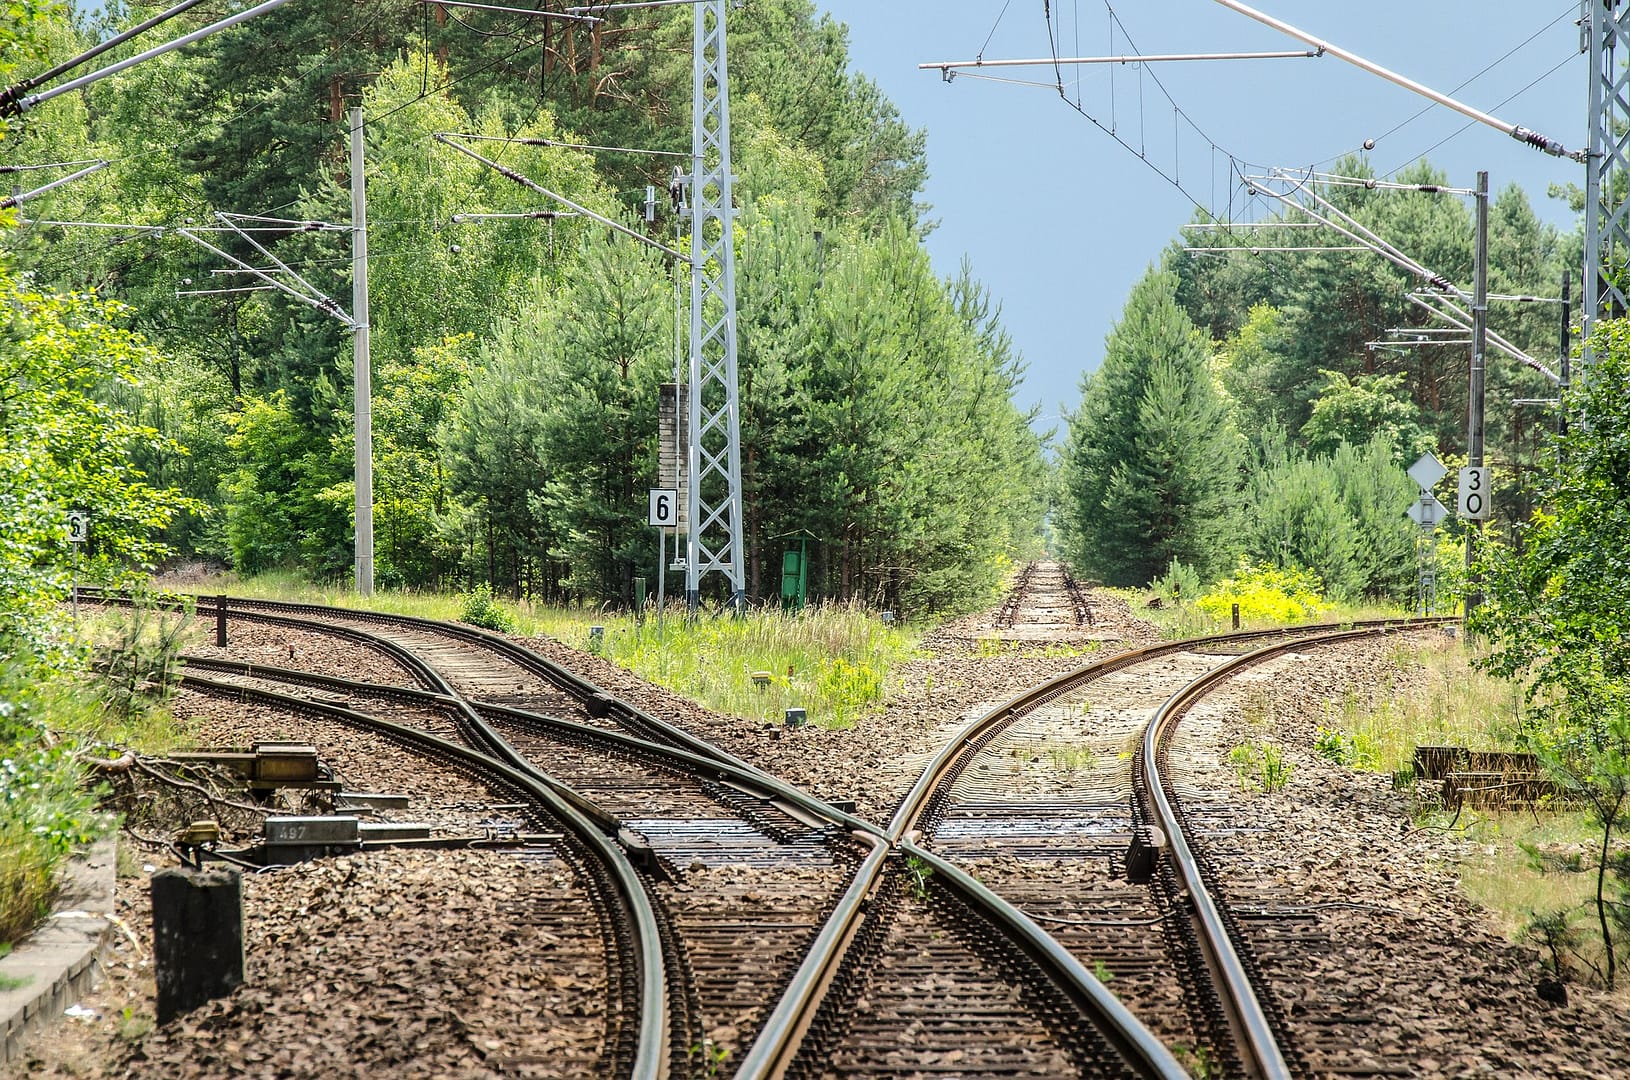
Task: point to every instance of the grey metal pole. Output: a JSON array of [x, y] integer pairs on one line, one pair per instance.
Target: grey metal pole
[[362, 378], [1474, 410], [1567, 351], [1596, 25], [714, 537]]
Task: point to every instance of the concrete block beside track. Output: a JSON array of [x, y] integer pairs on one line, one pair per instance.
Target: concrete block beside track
[[56, 965]]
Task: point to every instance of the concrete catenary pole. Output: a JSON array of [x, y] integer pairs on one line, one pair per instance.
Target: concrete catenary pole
[[362, 379], [1474, 405]]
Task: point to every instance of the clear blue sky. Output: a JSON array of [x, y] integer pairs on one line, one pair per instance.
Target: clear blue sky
[[1059, 220]]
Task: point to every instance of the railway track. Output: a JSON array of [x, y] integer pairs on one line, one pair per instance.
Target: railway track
[[1044, 599], [737, 863], [894, 950], [1178, 975], [635, 1040]]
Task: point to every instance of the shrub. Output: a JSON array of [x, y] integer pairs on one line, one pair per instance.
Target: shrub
[[480, 609], [140, 656], [44, 811], [1180, 583], [1335, 746], [1265, 594], [1261, 764]]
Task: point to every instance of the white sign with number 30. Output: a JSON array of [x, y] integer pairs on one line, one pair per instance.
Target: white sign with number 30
[[1474, 493]]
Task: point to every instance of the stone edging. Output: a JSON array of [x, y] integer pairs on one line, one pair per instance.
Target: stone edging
[[57, 963]]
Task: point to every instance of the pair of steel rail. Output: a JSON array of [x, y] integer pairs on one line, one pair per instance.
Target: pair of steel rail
[[776, 1047]]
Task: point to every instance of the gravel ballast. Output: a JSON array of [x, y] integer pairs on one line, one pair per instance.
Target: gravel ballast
[[355, 969]]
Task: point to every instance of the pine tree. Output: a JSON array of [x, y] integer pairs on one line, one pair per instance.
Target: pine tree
[[1151, 468], [609, 350]]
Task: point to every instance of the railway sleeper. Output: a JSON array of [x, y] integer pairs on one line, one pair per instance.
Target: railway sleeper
[[1482, 790]]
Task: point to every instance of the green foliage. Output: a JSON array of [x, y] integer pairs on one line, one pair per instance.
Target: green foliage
[[833, 372], [1449, 703], [480, 609], [140, 658], [412, 496], [713, 1056], [1245, 366], [1559, 605], [516, 359], [1265, 594], [134, 1025], [920, 872], [1294, 328], [907, 459], [1336, 746], [609, 349], [66, 444], [1558, 617], [1071, 759], [1179, 584], [1151, 465], [1300, 522], [1260, 764], [850, 686], [1339, 516], [66, 448], [1557, 938], [44, 811], [1352, 412], [287, 501], [1198, 1061]]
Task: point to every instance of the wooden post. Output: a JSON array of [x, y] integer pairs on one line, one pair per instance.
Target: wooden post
[[220, 621], [1236, 616], [197, 937]]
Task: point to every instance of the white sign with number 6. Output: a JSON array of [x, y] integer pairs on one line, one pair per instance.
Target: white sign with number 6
[[1474, 493], [664, 508]]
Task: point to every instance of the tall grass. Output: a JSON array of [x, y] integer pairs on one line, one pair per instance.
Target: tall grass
[[1503, 877], [833, 661], [1449, 703], [1185, 619], [45, 812]]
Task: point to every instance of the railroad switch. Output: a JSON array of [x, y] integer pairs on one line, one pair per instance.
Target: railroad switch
[[371, 800], [1143, 853], [598, 706], [299, 839], [644, 856], [195, 839]]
